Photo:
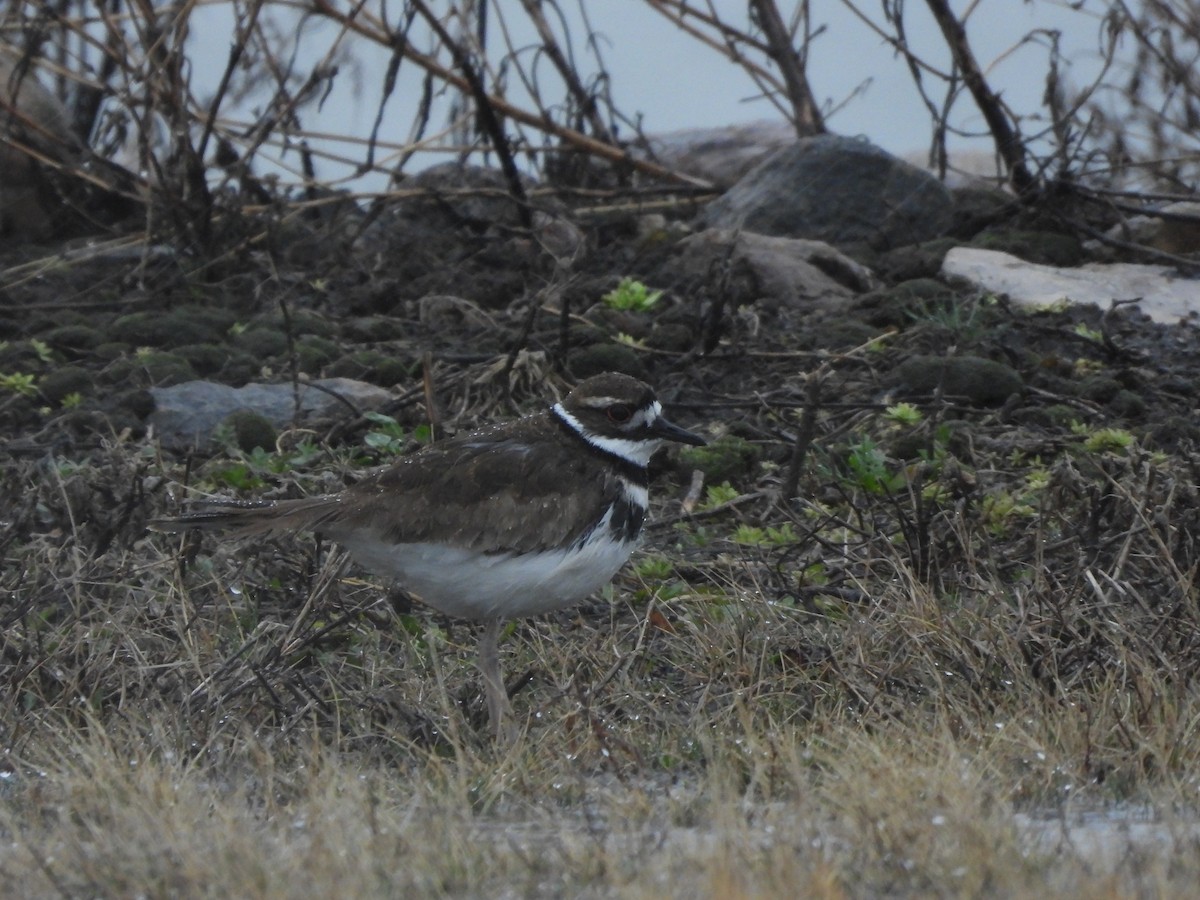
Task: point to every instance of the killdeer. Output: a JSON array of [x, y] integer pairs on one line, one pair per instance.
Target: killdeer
[[512, 520]]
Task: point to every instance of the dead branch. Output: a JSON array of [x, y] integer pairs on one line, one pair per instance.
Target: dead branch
[[806, 114], [1004, 131]]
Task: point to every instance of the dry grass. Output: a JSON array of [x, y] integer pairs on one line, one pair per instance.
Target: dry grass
[[253, 721]]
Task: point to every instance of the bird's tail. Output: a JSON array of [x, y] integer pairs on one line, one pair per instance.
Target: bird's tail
[[246, 517]]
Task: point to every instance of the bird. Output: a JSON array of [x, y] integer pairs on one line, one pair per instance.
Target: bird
[[514, 519]]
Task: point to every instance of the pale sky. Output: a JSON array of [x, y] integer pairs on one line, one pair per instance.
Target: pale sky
[[675, 82]]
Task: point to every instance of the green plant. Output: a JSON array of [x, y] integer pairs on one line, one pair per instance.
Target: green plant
[[387, 437], [1109, 440], [999, 509], [631, 295], [904, 414], [749, 534], [716, 494], [1037, 480], [770, 536], [1104, 440], [964, 319], [238, 476], [19, 383], [629, 340], [249, 470], [43, 351], [654, 567], [868, 464]]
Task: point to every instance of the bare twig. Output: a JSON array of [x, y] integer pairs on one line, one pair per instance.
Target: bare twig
[[806, 114], [1004, 132], [807, 430]]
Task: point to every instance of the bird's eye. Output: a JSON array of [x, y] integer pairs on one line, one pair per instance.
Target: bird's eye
[[620, 413]]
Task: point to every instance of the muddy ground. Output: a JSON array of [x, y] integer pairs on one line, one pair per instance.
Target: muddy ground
[[1035, 449], [937, 565]]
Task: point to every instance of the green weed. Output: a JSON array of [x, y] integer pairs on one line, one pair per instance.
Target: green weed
[[631, 295]]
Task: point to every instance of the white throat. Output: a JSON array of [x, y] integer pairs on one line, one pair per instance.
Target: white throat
[[637, 452]]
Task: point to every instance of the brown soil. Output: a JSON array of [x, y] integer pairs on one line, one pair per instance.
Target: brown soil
[[1083, 459]]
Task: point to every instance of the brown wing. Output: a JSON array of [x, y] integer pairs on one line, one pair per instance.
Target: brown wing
[[518, 488], [515, 487]]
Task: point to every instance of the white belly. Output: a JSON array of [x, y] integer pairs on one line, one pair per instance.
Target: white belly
[[461, 583]]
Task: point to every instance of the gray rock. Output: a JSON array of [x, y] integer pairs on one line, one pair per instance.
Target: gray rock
[[30, 115], [972, 169], [980, 380], [1175, 228], [185, 415], [786, 271], [1162, 293], [720, 155], [449, 196], [836, 189]]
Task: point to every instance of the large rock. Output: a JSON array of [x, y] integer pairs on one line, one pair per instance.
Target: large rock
[[842, 190], [186, 415], [1163, 294], [31, 116], [720, 155]]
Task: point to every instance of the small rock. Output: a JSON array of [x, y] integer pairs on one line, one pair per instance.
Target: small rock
[[728, 458], [186, 415], [63, 381], [210, 359], [1128, 405], [73, 337], [979, 380], [1174, 229], [784, 272], [1046, 247], [895, 307], [374, 366], [172, 328], [448, 311], [672, 337], [1180, 229], [262, 342], [368, 329], [1098, 388], [588, 361], [138, 403], [314, 352], [154, 367], [922, 260], [250, 429]]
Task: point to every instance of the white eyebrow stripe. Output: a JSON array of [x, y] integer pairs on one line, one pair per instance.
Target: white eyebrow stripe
[[600, 402], [637, 452]]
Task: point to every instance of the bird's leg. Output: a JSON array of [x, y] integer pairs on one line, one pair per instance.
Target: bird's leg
[[499, 709]]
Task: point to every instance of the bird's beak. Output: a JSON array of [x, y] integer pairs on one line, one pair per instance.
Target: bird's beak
[[669, 431]]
